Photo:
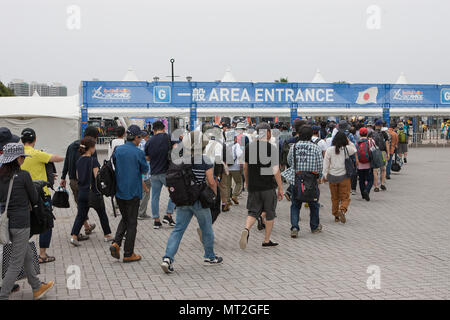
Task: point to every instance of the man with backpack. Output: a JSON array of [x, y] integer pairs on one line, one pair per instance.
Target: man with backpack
[[382, 141], [130, 164], [392, 149], [402, 142], [365, 172], [157, 150], [305, 157]]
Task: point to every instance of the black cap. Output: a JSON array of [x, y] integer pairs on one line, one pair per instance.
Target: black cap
[[7, 137], [29, 133], [134, 130]]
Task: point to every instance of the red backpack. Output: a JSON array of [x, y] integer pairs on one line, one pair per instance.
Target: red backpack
[[363, 148]]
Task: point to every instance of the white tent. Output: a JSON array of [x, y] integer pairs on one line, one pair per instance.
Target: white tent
[[228, 76], [402, 79], [130, 75], [318, 78], [56, 120]]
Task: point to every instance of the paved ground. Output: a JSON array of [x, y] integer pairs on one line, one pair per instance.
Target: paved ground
[[405, 232]]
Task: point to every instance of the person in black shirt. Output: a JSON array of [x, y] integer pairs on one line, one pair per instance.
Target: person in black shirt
[[262, 179], [87, 168], [382, 141], [70, 168], [157, 150]]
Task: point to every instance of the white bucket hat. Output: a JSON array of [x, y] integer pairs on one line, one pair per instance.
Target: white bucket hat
[[11, 152]]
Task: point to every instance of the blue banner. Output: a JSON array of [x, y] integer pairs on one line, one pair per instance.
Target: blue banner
[[245, 94]]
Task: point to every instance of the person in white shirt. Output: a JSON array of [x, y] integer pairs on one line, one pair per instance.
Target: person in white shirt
[[334, 172], [316, 139], [120, 140]]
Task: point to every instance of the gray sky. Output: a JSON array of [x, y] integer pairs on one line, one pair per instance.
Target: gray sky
[[260, 40]]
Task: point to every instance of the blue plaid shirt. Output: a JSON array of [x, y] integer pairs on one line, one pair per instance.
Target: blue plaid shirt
[[309, 159]]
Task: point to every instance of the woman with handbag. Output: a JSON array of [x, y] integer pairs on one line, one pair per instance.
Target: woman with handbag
[[202, 170], [17, 192], [337, 170], [88, 196]]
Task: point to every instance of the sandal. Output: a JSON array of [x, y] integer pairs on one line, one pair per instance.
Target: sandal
[[91, 228], [46, 259]]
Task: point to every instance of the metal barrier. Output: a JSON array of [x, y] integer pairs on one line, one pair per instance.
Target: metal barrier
[[104, 140], [429, 138]]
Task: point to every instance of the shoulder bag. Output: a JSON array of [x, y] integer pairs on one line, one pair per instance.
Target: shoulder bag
[[4, 219]]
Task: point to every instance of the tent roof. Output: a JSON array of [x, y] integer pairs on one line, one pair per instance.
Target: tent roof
[[402, 79], [228, 76], [39, 107], [35, 94], [318, 78], [130, 75]]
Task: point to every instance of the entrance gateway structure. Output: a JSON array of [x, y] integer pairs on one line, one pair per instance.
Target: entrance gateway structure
[[294, 100]]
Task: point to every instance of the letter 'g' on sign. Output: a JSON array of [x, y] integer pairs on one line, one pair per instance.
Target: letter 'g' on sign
[[74, 277], [73, 21], [374, 280], [161, 94], [374, 19]]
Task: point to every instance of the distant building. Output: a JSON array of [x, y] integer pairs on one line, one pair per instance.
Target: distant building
[[41, 88], [19, 87], [58, 90]]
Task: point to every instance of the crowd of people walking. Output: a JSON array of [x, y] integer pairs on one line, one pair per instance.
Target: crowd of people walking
[[205, 172]]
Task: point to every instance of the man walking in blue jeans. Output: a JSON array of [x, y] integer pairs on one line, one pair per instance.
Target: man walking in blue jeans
[[130, 165], [157, 151], [308, 157]]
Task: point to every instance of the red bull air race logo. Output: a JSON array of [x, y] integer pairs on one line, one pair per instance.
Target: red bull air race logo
[[407, 95], [111, 94]]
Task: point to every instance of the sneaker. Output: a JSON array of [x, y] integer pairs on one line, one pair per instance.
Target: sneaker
[[318, 229], [212, 262], [269, 244], [199, 232], [353, 192], [244, 239], [365, 196], [376, 189], [383, 187], [157, 225], [110, 239], [235, 200], [341, 216], [388, 177], [168, 220], [144, 217], [226, 207], [115, 251], [74, 242], [91, 229], [287, 195], [133, 258], [294, 233], [167, 266], [261, 225], [40, 293], [336, 219]]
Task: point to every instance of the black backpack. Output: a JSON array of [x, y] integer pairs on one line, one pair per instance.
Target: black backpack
[[182, 185], [41, 218], [106, 179]]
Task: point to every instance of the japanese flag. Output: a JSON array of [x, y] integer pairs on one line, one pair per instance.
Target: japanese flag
[[367, 96]]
